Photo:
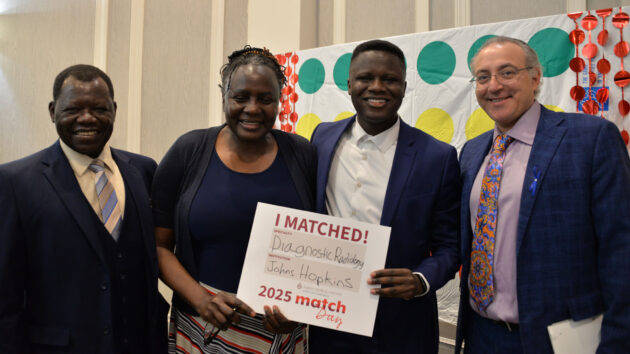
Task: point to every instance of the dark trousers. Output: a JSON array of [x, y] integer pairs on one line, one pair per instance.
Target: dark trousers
[[484, 336]]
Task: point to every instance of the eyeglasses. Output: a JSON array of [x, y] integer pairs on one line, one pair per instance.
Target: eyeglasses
[[504, 76]]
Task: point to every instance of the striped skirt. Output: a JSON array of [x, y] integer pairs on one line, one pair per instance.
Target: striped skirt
[[186, 333]]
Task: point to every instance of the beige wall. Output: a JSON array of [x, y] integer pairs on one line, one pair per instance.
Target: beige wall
[[163, 55]]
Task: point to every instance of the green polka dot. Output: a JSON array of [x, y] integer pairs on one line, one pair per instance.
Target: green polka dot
[[341, 70], [554, 50], [311, 77], [475, 47], [436, 62]]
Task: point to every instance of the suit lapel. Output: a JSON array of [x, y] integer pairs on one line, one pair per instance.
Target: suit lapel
[[549, 134], [60, 175], [134, 188], [326, 151], [404, 158]]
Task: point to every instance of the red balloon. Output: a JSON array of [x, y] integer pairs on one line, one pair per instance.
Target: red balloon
[[603, 66], [577, 64], [604, 12], [590, 107], [576, 36], [286, 108], [294, 97], [577, 93], [282, 117], [288, 71], [620, 20], [625, 136], [295, 59], [287, 90], [622, 78], [281, 59], [293, 117], [624, 107], [589, 22], [288, 54], [592, 78], [621, 49], [589, 50], [294, 79], [574, 15], [602, 37], [602, 95]]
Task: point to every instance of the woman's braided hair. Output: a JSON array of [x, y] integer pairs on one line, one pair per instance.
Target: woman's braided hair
[[250, 55]]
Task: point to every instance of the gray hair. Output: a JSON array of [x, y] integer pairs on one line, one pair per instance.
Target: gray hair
[[531, 58]]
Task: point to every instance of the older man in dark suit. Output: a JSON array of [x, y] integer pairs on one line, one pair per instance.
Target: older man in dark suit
[[78, 268], [545, 215]]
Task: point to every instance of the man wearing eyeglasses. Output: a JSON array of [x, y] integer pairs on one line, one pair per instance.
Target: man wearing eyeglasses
[[545, 215]]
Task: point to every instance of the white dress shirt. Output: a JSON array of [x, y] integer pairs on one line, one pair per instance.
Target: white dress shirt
[[359, 174], [80, 164]]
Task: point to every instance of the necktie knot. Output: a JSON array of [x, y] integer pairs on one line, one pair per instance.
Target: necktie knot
[[501, 143], [97, 166]]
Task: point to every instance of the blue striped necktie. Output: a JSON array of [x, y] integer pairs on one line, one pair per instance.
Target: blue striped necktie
[[110, 210]]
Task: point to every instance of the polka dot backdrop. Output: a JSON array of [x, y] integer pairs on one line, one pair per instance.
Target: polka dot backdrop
[[439, 98]]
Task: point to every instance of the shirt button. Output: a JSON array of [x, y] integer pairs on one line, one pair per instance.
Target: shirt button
[[122, 276], [103, 286], [125, 340], [119, 255], [363, 157], [358, 184], [124, 299], [354, 213], [105, 331]]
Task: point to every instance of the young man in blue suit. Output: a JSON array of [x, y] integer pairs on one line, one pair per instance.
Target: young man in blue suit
[[545, 215], [375, 168], [77, 258]]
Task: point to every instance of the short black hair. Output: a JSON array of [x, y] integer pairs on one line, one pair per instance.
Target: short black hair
[[379, 45], [251, 55], [84, 73]]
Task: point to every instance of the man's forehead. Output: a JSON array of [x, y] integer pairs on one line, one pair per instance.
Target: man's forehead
[[361, 60], [499, 55]]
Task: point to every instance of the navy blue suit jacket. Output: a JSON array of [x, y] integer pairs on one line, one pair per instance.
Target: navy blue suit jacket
[[422, 207], [573, 235], [54, 294]]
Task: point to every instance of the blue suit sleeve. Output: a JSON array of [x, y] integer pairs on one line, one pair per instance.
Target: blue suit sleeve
[[610, 207], [12, 270], [444, 261]]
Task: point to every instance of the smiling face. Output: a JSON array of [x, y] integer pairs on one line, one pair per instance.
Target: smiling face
[[376, 85], [84, 114], [505, 102], [251, 102]]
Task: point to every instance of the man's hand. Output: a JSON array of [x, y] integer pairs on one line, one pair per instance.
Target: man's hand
[[399, 282]]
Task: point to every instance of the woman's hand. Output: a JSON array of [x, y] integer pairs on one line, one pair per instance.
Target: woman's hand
[[222, 309], [276, 322]]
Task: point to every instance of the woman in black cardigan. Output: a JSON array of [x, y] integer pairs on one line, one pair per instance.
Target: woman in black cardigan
[[205, 193]]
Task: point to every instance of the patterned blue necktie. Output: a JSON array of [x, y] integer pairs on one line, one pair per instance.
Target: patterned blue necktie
[[110, 210], [482, 254]]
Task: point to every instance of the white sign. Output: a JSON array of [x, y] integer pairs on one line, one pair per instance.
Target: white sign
[[314, 267]]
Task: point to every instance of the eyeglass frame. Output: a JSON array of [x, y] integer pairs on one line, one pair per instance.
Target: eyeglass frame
[[497, 76]]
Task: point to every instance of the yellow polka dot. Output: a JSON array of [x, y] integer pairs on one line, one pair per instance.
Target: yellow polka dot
[[553, 108], [343, 115], [437, 123], [306, 124], [479, 122]]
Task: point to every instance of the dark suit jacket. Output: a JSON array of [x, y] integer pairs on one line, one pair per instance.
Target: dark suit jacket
[[422, 207], [573, 236], [53, 277]]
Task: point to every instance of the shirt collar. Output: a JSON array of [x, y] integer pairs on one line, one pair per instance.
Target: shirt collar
[[80, 162], [525, 128], [383, 141]]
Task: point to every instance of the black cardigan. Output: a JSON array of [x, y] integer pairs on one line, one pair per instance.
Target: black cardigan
[[181, 172]]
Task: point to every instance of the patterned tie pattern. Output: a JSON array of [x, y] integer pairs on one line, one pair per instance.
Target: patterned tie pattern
[[110, 210], [482, 255]]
